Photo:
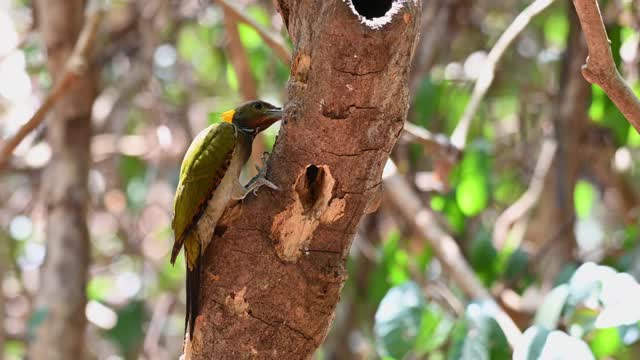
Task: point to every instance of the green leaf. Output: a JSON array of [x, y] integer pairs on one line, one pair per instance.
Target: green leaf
[[37, 318], [598, 104], [584, 195], [472, 195], [14, 350], [483, 256], [539, 343], [550, 311], [397, 320], [392, 269], [480, 336], [556, 29], [619, 296], [128, 331], [517, 264], [633, 137], [531, 344], [249, 36], [586, 282], [438, 202], [606, 342], [100, 287], [435, 327], [232, 78]]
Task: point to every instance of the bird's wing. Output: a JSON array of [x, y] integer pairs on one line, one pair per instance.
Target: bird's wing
[[202, 170]]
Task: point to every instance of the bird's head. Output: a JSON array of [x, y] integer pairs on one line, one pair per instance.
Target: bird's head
[[253, 116]]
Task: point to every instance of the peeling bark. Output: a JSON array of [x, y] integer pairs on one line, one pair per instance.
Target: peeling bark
[[62, 294], [274, 271]]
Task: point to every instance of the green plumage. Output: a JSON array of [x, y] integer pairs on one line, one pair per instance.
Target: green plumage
[[203, 168], [214, 157]]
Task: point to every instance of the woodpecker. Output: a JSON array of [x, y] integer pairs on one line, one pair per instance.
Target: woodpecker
[[209, 182]]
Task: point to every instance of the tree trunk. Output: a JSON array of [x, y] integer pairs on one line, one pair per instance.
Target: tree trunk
[[62, 299], [273, 273]]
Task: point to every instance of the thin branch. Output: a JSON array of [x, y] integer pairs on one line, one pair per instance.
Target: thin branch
[[459, 137], [76, 66], [400, 194], [246, 81], [522, 206], [435, 143], [274, 41], [600, 68]]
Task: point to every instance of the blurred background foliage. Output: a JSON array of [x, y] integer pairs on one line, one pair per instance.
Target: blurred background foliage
[[167, 72]]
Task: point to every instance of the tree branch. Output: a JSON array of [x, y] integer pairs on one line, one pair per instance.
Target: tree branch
[[530, 197], [459, 136], [600, 68], [76, 66], [435, 143], [400, 194], [274, 41]]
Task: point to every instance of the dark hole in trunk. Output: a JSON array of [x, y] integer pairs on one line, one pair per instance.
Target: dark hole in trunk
[[372, 8]]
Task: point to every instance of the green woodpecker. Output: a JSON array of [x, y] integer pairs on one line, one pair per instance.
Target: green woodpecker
[[209, 182]]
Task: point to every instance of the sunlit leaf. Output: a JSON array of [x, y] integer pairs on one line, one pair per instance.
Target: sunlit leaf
[[556, 28], [437, 203], [100, 287], [531, 344], [620, 296], [472, 195], [479, 337], [598, 101], [550, 310], [435, 327], [232, 78], [584, 195], [249, 36], [539, 343], [397, 320], [606, 342]]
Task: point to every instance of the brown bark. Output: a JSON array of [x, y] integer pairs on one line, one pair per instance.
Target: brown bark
[[555, 212], [600, 68], [64, 276], [273, 277]]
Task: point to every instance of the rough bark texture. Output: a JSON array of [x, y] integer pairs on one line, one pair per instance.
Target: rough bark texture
[[274, 271], [551, 229], [62, 293]]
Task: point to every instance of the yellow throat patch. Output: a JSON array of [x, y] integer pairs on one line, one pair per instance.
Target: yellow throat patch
[[227, 116]]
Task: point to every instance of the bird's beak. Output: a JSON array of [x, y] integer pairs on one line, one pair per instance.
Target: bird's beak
[[275, 113], [271, 116]]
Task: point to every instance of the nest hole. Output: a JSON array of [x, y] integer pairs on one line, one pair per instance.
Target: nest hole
[[371, 9]]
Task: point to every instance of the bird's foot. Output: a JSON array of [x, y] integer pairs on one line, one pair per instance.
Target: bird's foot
[[261, 178]]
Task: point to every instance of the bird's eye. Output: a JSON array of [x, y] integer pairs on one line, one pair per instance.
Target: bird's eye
[[258, 106]]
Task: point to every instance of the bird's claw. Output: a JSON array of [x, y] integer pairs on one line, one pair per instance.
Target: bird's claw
[[263, 182], [260, 178]]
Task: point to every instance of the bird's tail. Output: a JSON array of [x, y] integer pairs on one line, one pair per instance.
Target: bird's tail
[[193, 296]]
